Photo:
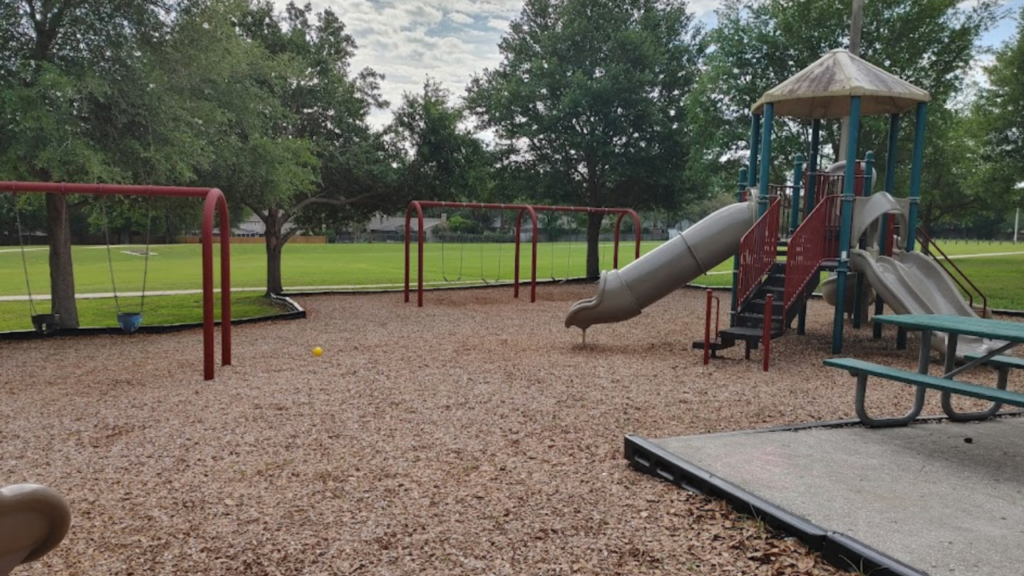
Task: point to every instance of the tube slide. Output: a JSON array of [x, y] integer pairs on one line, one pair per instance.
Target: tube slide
[[33, 521], [623, 294], [916, 284]]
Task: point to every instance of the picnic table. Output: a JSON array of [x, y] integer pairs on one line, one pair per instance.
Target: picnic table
[[1006, 335]]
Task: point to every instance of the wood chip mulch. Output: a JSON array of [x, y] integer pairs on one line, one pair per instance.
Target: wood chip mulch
[[472, 436]]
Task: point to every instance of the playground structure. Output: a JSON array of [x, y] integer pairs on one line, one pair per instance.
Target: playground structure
[[844, 228], [213, 203], [33, 520], [419, 205]]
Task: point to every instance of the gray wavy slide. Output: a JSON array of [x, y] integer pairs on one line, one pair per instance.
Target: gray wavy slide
[[913, 283], [623, 294]]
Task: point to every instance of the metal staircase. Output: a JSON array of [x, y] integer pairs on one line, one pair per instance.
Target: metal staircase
[[763, 279]]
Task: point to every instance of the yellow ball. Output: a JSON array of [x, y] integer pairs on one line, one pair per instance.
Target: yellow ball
[[317, 351]]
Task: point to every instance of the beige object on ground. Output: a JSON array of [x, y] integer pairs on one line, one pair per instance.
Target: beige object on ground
[[33, 520], [623, 294]]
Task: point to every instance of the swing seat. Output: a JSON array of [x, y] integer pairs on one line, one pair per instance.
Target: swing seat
[[46, 323], [129, 321]]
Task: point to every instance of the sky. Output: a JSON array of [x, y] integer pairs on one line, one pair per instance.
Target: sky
[[451, 40]]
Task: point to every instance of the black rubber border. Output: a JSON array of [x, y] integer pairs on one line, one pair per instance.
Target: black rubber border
[[838, 549], [296, 312]]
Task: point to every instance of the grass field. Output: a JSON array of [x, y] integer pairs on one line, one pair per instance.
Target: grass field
[[159, 310], [310, 266]]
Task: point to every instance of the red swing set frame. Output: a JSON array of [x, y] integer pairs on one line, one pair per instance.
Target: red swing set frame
[[214, 203]]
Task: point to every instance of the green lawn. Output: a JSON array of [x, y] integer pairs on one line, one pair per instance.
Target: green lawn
[[159, 310], [177, 267], [955, 247]]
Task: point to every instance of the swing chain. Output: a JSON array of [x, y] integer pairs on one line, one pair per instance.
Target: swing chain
[[110, 257], [24, 260], [145, 268]]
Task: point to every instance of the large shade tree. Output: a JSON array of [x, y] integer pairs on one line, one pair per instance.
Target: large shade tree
[[760, 43], [589, 98], [998, 124], [445, 161], [326, 108], [67, 70]]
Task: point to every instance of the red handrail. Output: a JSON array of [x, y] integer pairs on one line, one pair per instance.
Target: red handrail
[[815, 240], [757, 252], [927, 246]]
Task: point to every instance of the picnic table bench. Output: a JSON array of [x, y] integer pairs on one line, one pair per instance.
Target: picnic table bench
[[1005, 336]]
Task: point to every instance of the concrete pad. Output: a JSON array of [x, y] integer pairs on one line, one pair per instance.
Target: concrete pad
[[946, 498]]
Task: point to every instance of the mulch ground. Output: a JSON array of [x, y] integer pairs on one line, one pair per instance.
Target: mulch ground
[[472, 436]]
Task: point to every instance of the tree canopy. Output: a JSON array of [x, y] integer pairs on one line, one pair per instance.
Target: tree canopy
[[589, 99]]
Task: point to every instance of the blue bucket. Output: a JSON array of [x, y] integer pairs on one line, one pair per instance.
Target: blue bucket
[[129, 321]]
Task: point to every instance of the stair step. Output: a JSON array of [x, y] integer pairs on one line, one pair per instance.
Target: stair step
[[743, 331], [715, 346]]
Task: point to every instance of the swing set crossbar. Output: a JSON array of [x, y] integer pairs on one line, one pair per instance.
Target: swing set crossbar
[[214, 204], [418, 206]]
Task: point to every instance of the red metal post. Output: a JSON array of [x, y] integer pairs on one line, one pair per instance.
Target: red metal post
[[214, 203], [766, 337], [707, 328], [225, 281], [515, 280], [533, 263], [421, 238], [636, 230], [408, 216]]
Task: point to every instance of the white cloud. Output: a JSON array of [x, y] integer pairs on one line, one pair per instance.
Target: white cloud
[[498, 24], [410, 40], [460, 18]]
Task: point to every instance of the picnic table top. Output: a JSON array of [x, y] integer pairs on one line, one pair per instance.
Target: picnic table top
[[982, 327]]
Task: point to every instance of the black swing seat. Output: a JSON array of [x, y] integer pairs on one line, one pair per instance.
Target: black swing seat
[[46, 323], [129, 321]]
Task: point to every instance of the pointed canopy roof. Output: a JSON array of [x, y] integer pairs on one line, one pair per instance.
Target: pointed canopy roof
[[823, 90]]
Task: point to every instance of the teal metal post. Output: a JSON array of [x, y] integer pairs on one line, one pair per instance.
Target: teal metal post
[[766, 159], [809, 202], [798, 178], [740, 189], [755, 141], [812, 168], [890, 184], [915, 173], [858, 296], [846, 225]]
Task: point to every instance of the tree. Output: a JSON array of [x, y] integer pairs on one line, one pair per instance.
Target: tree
[[64, 65], [760, 43], [589, 99], [998, 122], [445, 161], [331, 157]]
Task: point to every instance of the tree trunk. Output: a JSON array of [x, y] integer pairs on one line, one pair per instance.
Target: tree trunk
[[593, 245], [62, 274], [274, 248]]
